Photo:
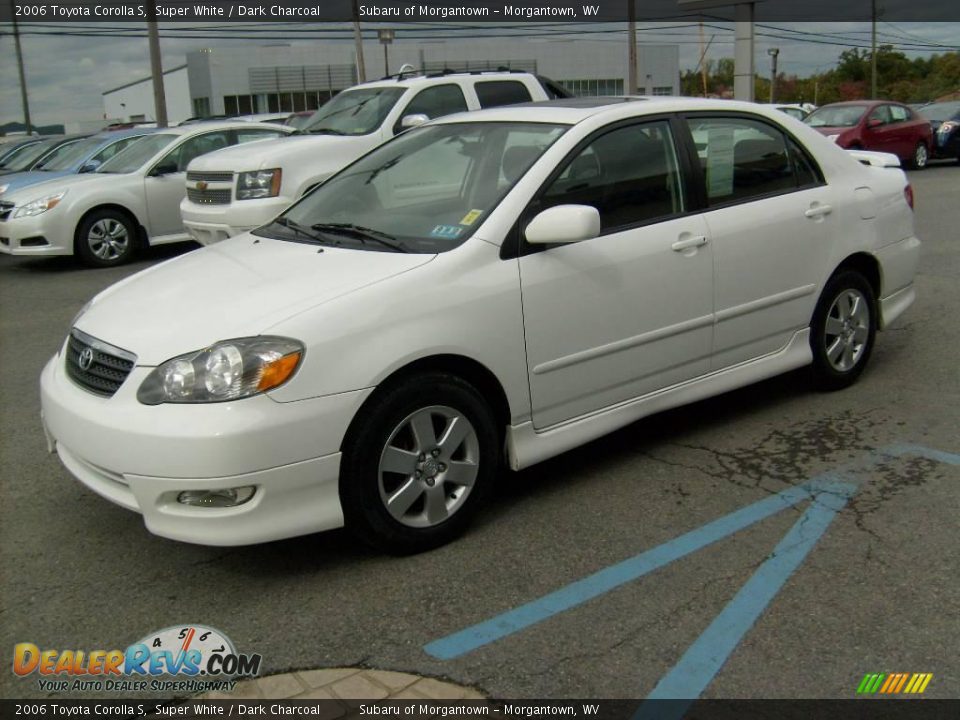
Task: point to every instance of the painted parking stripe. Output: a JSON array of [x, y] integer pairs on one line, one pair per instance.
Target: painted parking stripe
[[579, 592], [703, 660]]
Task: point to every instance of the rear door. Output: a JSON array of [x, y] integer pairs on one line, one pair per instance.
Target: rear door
[[770, 220]]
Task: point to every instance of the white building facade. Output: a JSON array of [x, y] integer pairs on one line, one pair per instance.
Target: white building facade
[[133, 102]]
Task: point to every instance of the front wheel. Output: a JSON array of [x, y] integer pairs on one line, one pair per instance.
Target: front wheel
[[417, 463], [843, 330], [921, 156], [106, 238]]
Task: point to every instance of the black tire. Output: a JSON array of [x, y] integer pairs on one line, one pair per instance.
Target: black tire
[[117, 235], [852, 335], [921, 156], [386, 428]]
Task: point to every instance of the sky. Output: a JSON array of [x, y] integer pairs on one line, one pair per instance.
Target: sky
[[66, 76]]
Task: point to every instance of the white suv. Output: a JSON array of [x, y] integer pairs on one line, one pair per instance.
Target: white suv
[[238, 189]]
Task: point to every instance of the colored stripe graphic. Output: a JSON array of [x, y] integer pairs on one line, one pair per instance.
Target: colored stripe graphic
[[926, 681], [891, 682], [864, 684], [899, 687], [894, 683]]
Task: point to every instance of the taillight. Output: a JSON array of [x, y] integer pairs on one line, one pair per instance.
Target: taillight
[[908, 194]]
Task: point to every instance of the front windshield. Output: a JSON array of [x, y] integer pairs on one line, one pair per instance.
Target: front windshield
[[132, 157], [354, 112], [424, 192], [25, 158], [837, 116], [66, 156], [940, 111], [9, 151]]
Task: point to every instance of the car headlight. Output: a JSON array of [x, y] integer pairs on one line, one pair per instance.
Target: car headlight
[[944, 129], [3, 188], [258, 184], [36, 207], [228, 370]]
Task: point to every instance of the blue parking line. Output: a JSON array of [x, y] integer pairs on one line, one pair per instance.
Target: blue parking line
[[703, 660], [579, 592], [919, 450]]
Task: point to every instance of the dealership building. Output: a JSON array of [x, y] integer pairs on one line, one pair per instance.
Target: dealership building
[[278, 78]]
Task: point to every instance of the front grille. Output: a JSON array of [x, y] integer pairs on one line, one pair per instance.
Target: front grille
[[106, 366], [209, 197], [198, 176], [5, 209]]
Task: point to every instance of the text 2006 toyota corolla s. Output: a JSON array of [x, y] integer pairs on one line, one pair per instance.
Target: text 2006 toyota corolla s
[[488, 290]]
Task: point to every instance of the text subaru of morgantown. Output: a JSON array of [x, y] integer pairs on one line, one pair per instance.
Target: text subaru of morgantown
[[494, 286]]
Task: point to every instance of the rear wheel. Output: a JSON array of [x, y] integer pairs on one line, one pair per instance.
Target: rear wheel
[[417, 464], [106, 238], [843, 330], [921, 156]]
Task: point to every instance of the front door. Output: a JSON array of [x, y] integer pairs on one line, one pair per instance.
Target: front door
[[628, 312]]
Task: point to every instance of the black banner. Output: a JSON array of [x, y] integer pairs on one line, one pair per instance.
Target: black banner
[[854, 709], [480, 11]]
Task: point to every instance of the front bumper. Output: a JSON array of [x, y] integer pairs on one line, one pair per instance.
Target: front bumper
[[208, 224], [142, 457], [42, 234]]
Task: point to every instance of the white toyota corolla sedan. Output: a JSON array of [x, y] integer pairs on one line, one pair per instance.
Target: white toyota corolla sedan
[[490, 289], [133, 199]]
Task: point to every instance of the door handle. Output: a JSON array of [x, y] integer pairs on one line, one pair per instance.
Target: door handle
[[818, 211], [687, 243]]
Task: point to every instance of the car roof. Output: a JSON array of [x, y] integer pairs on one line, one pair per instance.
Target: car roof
[[412, 79], [200, 127], [106, 135], [570, 111]]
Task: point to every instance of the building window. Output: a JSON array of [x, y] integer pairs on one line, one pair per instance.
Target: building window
[[238, 104], [663, 90], [201, 107], [593, 88]]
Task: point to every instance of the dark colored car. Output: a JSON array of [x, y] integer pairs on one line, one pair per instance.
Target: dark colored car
[[878, 125], [945, 122]]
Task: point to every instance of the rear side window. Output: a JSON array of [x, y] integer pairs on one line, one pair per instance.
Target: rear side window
[[742, 159], [494, 93], [899, 113]]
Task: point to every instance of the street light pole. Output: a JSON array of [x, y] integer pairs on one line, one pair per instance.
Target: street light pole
[[156, 67], [632, 50], [23, 76], [773, 53]]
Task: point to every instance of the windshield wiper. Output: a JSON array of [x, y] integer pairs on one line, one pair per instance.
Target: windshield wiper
[[326, 131], [298, 229], [362, 234]]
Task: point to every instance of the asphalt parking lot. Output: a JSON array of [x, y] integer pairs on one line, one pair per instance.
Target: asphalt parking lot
[[869, 583]]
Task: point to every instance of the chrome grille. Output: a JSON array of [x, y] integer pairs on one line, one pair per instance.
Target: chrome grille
[[106, 366], [5, 209], [209, 197], [198, 176]]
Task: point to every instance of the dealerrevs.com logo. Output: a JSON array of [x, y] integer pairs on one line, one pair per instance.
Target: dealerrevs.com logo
[[181, 658]]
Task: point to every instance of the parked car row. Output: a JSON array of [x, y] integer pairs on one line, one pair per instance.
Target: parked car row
[[492, 288]]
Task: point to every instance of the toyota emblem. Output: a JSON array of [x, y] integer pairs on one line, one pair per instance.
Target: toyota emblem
[[86, 359], [201, 186]]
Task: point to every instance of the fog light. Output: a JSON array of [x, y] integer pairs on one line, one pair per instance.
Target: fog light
[[227, 497]]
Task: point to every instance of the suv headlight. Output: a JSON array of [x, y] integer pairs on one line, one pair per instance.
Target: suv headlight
[[36, 207], [258, 184], [228, 370]]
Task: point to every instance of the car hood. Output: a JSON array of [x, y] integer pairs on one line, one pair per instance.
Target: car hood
[[237, 288], [49, 185], [265, 154], [15, 181]]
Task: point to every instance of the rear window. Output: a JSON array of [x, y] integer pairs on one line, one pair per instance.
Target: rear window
[[494, 93]]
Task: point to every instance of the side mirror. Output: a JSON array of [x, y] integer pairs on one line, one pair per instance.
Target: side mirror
[[412, 121], [874, 122], [91, 166], [168, 167], [563, 224]]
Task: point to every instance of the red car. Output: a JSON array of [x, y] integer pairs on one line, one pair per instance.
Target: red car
[[876, 125]]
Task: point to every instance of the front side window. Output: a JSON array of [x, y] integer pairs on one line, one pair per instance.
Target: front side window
[[354, 112], [630, 175], [881, 113], [425, 191], [195, 147], [437, 101], [25, 158], [114, 148], [137, 153], [494, 93], [741, 158]]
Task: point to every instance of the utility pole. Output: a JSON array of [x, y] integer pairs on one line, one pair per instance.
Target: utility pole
[[632, 50], [23, 77], [156, 67], [773, 53], [873, 50], [358, 44]]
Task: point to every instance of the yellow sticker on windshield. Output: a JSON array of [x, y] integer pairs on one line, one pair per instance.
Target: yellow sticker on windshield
[[471, 217]]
